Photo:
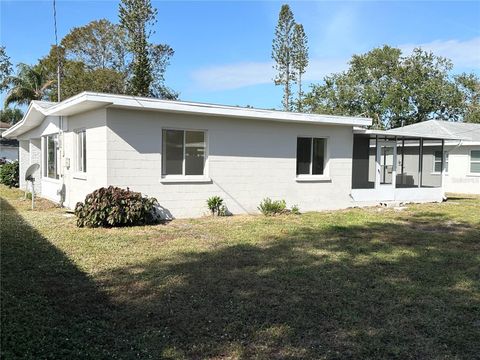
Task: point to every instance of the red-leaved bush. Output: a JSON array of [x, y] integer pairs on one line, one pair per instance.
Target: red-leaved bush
[[113, 206]]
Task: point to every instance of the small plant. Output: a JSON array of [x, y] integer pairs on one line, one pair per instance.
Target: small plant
[[9, 174], [113, 206], [272, 207], [215, 205], [295, 210]]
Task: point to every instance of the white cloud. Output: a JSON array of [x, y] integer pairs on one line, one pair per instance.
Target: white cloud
[[464, 54], [234, 76]]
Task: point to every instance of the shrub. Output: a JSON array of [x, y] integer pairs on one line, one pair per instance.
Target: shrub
[[113, 206], [272, 207], [9, 174], [215, 204], [295, 210]]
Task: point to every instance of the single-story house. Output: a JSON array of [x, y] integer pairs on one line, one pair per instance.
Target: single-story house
[[183, 153], [8, 147]]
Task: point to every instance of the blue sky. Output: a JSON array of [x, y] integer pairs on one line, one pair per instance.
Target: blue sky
[[222, 48]]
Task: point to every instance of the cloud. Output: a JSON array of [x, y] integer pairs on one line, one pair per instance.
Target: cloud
[[234, 76], [464, 54]]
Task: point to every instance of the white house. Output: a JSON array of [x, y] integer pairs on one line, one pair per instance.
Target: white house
[[183, 152]]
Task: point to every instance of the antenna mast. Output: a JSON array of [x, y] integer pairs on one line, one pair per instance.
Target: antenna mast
[[56, 47]]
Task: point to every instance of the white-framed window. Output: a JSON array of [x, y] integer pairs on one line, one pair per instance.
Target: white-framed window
[[81, 151], [184, 152], [475, 161], [437, 163], [50, 156], [311, 156]]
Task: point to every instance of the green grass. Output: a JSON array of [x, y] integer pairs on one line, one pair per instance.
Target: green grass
[[359, 283]]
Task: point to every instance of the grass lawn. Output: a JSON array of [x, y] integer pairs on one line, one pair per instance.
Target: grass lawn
[[359, 283]]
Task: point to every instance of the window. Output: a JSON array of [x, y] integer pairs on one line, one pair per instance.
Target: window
[[310, 156], [81, 154], [437, 164], [475, 161], [183, 152], [50, 157]]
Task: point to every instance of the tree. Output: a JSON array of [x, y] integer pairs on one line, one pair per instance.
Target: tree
[[30, 83], [470, 87], [282, 54], [392, 89], [135, 16], [11, 116], [299, 59], [99, 45], [5, 67], [77, 76], [160, 55]]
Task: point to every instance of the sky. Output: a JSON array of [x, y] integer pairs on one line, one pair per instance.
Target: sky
[[223, 48]]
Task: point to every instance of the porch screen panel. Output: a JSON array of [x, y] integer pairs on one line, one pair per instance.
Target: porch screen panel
[[408, 161], [363, 162], [431, 167]]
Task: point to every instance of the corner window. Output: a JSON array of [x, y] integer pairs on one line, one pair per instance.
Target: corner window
[[437, 164], [475, 161], [81, 151], [183, 152], [311, 156], [50, 156]]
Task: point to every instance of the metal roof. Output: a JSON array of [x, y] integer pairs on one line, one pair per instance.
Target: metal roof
[[86, 101]]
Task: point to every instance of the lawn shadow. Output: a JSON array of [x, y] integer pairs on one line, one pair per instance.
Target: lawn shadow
[[372, 291], [375, 290], [50, 308]]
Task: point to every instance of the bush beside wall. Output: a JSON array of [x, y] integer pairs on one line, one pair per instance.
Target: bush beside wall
[[114, 207], [9, 174]]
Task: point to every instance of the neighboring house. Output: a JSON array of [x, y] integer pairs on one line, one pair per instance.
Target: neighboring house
[[8, 147], [462, 156], [182, 153]]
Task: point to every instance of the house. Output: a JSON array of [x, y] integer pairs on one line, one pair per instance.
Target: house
[[462, 156], [182, 153], [8, 147]]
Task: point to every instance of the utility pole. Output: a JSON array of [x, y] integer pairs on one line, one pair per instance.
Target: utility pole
[[56, 47]]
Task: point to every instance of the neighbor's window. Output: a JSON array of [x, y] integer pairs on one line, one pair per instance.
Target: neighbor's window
[[311, 156], [183, 152], [475, 161], [81, 140], [437, 164], [50, 156]]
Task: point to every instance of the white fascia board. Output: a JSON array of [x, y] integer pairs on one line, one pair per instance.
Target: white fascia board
[[32, 118], [71, 106]]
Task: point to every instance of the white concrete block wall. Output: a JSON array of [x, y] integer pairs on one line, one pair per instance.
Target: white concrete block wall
[[77, 184], [459, 179], [248, 160], [23, 160], [36, 158]]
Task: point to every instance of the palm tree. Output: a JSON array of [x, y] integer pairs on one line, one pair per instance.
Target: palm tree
[[29, 84]]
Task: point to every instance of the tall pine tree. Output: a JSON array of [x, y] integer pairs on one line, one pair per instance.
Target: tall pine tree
[[135, 16], [300, 60], [282, 54]]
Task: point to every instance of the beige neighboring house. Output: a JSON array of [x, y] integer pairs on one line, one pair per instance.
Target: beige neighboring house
[[8, 147], [183, 153]]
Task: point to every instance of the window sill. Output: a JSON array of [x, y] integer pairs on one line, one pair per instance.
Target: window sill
[[80, 176], [313, 178], [186, 179], [438, 173], [47, 179], [473, 174]]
